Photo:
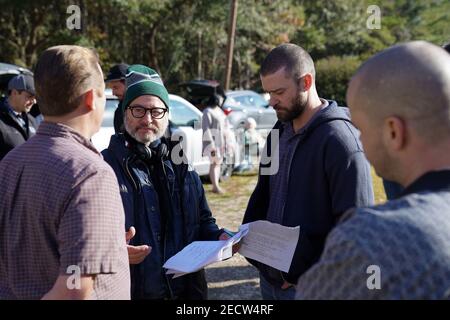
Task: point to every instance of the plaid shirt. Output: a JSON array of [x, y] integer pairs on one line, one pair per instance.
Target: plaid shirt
[[60, 214]]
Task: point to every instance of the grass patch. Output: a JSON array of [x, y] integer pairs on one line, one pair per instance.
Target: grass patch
[[378, 189]]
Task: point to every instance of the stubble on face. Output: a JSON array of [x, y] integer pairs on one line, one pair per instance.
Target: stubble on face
[[142, 130], [295, 110]]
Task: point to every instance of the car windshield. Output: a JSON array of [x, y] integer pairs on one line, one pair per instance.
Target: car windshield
[[182, 115], [108, 116]]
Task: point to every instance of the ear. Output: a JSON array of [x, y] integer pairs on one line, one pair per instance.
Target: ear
[[306, 82], [88, 99], [394, 133]]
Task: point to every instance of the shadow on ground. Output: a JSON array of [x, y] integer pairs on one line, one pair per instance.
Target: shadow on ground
[[233, 283]]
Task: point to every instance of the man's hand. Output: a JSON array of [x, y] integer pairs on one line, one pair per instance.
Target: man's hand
[[136, 254], [286, 285], [226, 236]]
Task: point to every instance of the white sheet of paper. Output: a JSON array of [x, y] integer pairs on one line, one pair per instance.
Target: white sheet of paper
[[199, 254], [270, 243], [266, 242]]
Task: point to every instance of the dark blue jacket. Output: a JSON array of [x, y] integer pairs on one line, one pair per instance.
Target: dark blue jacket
[[188, 219], [328, 175], [12, 134]]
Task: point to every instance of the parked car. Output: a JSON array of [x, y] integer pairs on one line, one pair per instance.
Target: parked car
[[237, 105], [252, 105], [185, 125]]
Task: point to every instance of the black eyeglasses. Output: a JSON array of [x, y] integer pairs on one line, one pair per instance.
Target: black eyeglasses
[[140, 112]]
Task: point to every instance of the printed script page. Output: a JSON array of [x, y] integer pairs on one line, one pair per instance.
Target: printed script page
[[199, 254], [270, 243]]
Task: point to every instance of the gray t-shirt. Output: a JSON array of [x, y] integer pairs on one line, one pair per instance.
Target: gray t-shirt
[[60, 214], [398, 250]]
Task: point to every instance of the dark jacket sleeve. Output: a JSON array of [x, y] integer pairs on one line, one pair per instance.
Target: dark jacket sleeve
[[259, 200], [118, 119], [208, 227], [350, 182]]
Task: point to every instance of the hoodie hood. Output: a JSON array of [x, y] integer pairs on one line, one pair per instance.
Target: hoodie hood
[[329, 113]]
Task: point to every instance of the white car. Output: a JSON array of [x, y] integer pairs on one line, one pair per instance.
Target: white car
[[185, 123]]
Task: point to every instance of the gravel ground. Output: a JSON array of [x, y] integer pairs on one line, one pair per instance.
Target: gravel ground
[[234, 278]]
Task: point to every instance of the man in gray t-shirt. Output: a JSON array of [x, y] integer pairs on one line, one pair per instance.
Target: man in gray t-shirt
[[400, 100], [61, 215]]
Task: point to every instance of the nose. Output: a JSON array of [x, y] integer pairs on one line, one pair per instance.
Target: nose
[[273, 101], [147, 117]]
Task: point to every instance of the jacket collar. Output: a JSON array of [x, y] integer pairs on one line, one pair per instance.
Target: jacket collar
[[327, 114], [119, 147], [433, 181]]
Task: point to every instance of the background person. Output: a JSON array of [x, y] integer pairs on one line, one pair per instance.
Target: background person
[[214, 125], [16, 124], [116, 81]]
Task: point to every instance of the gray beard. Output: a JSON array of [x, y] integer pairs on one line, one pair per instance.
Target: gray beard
[[133, 134]]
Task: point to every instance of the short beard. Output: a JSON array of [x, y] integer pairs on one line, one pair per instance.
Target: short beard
[[298, 106], [151, 137]]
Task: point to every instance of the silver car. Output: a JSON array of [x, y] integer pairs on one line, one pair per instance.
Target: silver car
[[241, 104]]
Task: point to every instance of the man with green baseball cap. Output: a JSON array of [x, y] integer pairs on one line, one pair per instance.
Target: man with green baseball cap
[[165, 205]]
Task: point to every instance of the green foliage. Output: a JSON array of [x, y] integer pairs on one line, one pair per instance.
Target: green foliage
[[187, 39], [333, 74]]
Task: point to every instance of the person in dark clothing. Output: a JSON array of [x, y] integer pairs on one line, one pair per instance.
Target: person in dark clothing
[[164, 201], [116, 81], [16, 124], [313, 168]]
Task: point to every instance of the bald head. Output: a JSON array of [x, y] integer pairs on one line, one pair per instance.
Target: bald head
[[410, 81]]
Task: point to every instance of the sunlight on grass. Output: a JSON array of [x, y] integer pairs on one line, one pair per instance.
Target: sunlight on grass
[[378, 189], [240, 187]]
